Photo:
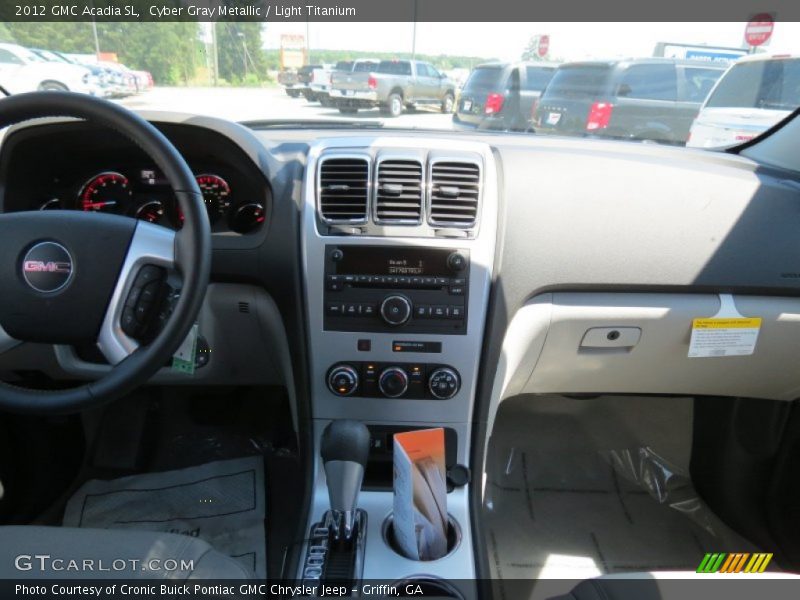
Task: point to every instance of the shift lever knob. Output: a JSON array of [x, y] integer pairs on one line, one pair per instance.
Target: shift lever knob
[[344, 448]]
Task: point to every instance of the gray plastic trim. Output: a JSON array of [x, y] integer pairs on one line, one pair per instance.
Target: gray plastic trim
[[152, 245], [6, 341], [380, 560]]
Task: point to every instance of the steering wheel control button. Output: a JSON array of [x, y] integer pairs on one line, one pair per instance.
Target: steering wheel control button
[[444, 383], [343, 380], [47, 267], [143, 298], [393, 382], [457, 262], [129, 323], [396, 310]]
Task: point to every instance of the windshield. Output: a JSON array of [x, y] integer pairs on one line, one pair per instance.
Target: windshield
[[51, 56], [769, 84], [626, 81]]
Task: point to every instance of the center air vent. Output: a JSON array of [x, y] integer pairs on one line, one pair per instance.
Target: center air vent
[[455, 189], [343, 189], [398, 193]]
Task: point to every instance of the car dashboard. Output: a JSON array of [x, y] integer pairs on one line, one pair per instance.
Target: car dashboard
[[412, 279], [76, 167]]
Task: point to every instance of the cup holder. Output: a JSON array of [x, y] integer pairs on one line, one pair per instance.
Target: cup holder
[[453, 538], [426, 587]]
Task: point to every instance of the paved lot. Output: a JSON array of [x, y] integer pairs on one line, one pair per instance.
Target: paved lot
[[245, 104]]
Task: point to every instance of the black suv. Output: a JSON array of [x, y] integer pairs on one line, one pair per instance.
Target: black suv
[[654, 99], [501, 95]]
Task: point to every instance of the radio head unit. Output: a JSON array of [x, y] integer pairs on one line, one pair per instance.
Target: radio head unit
[[386, 288]]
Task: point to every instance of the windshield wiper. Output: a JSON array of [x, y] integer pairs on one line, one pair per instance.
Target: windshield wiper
[[312, 124]]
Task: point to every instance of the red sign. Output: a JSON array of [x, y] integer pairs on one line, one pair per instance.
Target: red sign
[[544, 45], [759, 30]]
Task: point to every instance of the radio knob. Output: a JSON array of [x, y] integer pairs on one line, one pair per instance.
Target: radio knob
[[396, 309], [393, 382], [444, 383], [457, 261], [342, 380]]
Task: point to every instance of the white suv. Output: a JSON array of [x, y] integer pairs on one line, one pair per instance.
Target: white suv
[[22, 70], [754, 94]]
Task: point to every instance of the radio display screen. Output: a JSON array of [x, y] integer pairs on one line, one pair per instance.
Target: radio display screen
[[385, 260]]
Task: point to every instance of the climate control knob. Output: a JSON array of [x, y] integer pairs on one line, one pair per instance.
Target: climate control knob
[[393, 382], [342, 380], [444, 383], [396, 309]]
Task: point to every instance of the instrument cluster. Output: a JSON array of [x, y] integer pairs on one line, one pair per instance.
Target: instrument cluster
[[144, 193]]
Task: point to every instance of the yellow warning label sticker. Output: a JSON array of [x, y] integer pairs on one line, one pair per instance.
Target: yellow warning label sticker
[[742, 323], [724, 336]]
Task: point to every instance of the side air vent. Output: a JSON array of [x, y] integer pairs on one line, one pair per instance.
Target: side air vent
[[455, 190], [398, 192], [343, 188]]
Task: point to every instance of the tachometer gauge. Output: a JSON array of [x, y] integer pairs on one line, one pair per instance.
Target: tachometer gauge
[[151, 211], [247, 217], [216, 194], [105, 192], [52, 204]]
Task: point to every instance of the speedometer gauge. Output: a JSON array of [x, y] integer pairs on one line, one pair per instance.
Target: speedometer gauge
[[216, 194], [105, 192]]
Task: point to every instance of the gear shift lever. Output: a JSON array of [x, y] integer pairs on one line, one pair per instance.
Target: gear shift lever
[[344, 447]]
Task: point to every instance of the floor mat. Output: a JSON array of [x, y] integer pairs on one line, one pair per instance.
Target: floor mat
[[220, 502], [579, 488]]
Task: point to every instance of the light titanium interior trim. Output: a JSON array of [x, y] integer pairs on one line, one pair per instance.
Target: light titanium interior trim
[[318, 187], [461, 352], [152, 245], [435, 158], [398, 155]]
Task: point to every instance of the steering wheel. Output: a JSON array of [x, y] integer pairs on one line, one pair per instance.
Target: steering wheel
[[71, 277]]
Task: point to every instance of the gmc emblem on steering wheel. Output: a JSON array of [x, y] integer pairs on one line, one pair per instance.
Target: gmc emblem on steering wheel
[[47, 267]]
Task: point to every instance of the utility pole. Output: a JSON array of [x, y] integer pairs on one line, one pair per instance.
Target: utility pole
[[96, 40], [308, 41], [414, 32], [214, 54]]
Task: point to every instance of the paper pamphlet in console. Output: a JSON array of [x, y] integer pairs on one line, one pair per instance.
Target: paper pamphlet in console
[[420, 494]]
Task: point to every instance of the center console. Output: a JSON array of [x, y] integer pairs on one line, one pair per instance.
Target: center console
[[398, 251]]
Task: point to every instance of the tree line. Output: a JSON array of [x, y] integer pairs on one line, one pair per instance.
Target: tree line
[[178, 53], [175, 53]]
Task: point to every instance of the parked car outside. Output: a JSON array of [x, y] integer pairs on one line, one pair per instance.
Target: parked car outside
[[322, 79], [144, 80], [98, 75], [122, 81], [648, 99], [501, 96], [393, 86], [319, 85], [288, 79], [22, 70], [304, 76], [754, 94]]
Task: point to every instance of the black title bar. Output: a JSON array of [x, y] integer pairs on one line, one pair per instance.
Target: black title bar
[[396, 10]]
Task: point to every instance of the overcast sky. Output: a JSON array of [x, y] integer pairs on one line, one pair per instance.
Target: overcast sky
[[569, 41]]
